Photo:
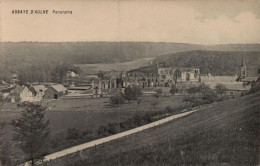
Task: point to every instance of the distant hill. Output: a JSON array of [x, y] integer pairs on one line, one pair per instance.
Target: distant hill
[[215, 62], [100, 52]]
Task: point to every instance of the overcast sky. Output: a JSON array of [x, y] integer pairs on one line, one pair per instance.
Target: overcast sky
[[192, 21]]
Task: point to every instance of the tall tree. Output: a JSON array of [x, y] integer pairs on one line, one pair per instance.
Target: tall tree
[[117, 98], [255, 86], [174, 89], [159, 92], [5, 154], [204, 90], [31, 130], [101, 75], [207, 93], [220, 89]]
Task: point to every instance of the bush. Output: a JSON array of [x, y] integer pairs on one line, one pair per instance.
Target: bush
[[87, 134], [147, 118], [73, 134], [255, 86], [113, 128], [193, 90], [117, 98], [132, 93], [174, 89], [5, 154], [137, 119], [159, 92], [57, 140], [103, 131], [210, 96], [153, 104], [169, 110], [189, 100], [221, 89]]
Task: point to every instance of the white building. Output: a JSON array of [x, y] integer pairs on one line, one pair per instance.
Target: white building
[[20, 94]]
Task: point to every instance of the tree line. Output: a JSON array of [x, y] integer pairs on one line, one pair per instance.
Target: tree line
[[40, 72]]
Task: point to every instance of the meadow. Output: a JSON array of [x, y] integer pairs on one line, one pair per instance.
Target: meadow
[[123, 66], [88, 113], [225, 134], [84, 115]]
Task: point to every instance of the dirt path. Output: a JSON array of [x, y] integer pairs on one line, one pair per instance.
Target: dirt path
[[110, 138]]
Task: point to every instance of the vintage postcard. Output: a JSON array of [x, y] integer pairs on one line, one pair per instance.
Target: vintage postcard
[[127, 82]]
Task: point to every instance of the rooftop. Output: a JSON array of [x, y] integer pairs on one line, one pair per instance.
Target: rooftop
[[59, 87]]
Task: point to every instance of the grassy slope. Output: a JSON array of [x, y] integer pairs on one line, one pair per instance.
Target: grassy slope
[[227, 133]]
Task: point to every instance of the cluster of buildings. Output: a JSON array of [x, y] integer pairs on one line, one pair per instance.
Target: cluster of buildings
[[148, 78], [32, 93], [184, 77]]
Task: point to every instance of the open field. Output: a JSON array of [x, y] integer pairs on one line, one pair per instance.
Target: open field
[[124, 66], [225, 134], [84, 114], [88, 113], [101, 104]]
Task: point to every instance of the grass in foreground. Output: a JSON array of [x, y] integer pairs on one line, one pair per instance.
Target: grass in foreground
[[226, 134]]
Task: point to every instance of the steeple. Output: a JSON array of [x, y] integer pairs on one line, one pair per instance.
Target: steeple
[[243, 69], [243, 62]]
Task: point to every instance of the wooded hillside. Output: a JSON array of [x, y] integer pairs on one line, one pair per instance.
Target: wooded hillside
[[215, 62]]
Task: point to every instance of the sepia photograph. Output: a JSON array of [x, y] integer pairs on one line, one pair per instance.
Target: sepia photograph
[[129, 83]]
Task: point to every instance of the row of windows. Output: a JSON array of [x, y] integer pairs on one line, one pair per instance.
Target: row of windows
[[170, 71], [142, 74]]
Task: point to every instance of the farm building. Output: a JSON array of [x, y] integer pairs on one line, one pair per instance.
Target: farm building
[[39, 91], [20, 93], [6, 90], [55, 91]]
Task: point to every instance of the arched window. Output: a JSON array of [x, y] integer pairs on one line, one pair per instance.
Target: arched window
[[196, 72], [187, 76], [171, 72], [176, 75]]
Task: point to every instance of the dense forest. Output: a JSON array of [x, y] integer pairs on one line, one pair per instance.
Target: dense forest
[[39, 72]]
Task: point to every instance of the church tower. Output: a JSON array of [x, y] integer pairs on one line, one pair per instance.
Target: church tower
[[243, 69]]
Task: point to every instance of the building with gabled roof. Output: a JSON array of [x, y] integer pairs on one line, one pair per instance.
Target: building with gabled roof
[[55, 92], [38, 91], [20, 94]]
